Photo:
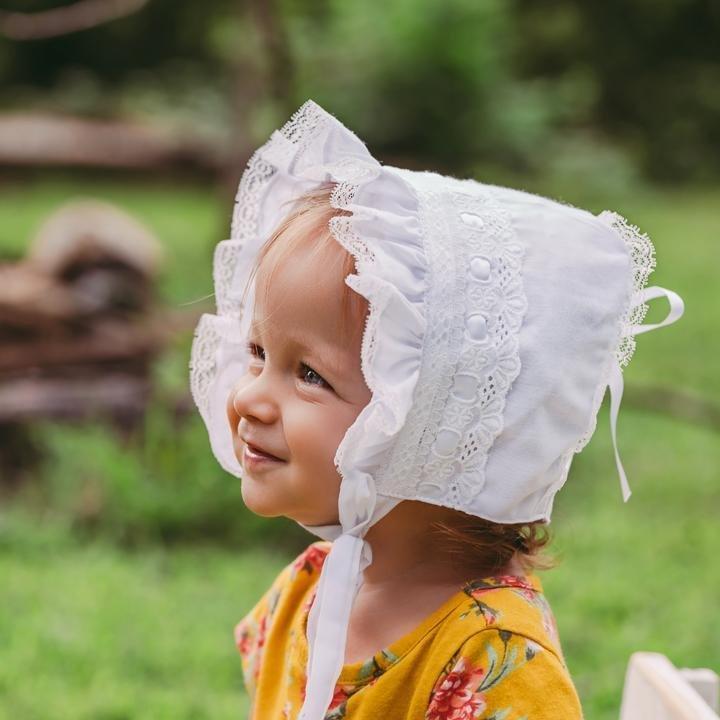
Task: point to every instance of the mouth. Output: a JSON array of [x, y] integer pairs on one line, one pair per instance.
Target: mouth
[[254, 455]]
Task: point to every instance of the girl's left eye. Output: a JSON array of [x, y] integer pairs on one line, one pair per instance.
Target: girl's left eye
[[311, 377]]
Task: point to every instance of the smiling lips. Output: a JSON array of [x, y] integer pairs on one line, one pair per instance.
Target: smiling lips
[[254, 454]]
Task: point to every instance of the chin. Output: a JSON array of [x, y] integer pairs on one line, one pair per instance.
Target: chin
[[257, 503], [310, 522]]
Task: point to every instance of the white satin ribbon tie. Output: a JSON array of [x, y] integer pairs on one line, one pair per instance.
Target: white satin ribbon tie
[[615, 383]]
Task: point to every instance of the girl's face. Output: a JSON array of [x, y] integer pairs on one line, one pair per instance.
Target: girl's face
[[303, 388]]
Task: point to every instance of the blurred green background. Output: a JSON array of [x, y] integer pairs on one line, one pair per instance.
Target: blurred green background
[[126, 554]]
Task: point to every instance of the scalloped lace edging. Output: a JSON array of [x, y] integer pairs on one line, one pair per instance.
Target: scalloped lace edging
[[206, 342], [351, 176], [642, 253], [642, 256]]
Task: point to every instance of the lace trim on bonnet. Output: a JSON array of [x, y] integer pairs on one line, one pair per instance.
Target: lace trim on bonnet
[[476, 260], [642, 256]]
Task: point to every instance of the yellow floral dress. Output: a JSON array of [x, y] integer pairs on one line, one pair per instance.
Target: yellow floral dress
[[490, 652]]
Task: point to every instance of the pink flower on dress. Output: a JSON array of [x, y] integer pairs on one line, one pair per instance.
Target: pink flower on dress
[[549, 621], [312, 559], [243, 638], [262, 628], [454, 696], [514, 580], [524, 587], [244, 635], [339, 697]]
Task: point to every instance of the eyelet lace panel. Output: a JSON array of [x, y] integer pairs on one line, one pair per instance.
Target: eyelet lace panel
[[642, 257], [476, 305]]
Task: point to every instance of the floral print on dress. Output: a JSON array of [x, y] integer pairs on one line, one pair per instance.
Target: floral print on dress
[[343, 692], [251, 631], [460, 692], [250, 639], [457, 695], [525, 590], [521, 587], [310, 561], [491, 615], [464, 686]]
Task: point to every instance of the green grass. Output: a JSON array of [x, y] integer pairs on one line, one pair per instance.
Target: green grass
[[88, 632], [91, 630], [642, 575]]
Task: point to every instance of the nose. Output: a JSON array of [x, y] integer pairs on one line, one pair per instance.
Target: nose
[[251, 399]]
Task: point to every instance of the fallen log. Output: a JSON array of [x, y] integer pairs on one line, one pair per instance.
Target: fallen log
[[43, 139]]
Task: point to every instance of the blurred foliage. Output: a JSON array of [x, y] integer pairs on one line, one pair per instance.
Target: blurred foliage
[[156, 484], [654, 68], [93, 633], [458, 85]]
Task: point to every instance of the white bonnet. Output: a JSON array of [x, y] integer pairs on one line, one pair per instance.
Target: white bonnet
[[497, 320]]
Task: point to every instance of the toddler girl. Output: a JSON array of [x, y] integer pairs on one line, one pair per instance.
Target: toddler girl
[[405, 364]]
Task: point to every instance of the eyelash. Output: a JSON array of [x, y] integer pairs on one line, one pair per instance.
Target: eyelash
[[255, 352]]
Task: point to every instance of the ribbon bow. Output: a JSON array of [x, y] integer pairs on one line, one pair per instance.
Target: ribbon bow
[[677, 307]]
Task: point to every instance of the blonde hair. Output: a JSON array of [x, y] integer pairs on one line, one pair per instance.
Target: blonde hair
[[308, 224]]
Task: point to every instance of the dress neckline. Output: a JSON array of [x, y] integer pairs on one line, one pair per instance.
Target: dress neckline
[[360, 672]]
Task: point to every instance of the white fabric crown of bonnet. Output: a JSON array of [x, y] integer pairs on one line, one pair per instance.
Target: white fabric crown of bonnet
[[497, 320]]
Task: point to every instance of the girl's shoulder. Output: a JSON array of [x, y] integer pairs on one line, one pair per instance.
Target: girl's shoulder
[[502, 654], [502, 673], [509, 604]]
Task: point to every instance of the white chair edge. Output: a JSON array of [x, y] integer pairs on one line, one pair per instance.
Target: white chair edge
[[654, 686]]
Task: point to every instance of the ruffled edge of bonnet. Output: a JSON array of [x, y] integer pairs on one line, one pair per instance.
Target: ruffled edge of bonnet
[[383, 235]]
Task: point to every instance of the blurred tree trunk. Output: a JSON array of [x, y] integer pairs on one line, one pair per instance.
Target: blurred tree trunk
[[281, 71], [268, 79], [77, 16]]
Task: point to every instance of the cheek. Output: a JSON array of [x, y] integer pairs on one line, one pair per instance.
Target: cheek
[[313, 434]]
